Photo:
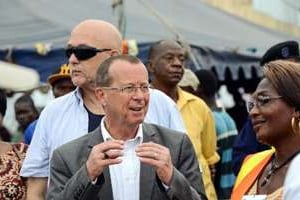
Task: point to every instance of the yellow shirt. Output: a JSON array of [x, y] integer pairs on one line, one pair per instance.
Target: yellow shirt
[[199, 123]]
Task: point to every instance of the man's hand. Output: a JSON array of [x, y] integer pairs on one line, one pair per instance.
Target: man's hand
[[159, 157], [102, 155]]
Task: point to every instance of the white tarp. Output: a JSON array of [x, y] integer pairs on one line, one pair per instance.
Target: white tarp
[[24, 23]]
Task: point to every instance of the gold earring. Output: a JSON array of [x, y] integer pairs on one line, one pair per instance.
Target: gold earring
[[295, 126], [298, 127]]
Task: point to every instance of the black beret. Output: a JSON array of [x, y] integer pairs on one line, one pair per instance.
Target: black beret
[[283, 50]]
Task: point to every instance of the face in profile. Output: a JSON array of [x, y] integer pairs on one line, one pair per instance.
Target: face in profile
[[270, 114]]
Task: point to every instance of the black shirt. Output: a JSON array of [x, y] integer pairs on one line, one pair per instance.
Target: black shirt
[[94, 120]]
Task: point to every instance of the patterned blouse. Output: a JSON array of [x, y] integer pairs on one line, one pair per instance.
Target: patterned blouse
[[12, 186]]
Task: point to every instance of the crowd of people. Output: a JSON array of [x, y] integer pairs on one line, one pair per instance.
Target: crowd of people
[[121, 129]]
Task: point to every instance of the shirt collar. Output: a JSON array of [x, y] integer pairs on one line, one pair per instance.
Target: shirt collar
[[78, 95], [107, 136]]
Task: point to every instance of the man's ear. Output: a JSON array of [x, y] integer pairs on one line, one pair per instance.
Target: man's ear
[[114, 52], [151, 67], [100, 94]]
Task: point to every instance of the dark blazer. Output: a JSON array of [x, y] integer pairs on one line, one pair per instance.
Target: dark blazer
[[69, 179]]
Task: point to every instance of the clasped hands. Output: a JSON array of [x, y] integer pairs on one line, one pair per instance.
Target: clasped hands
[[110, 153]]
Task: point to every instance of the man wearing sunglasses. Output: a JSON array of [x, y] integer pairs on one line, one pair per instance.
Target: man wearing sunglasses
[[77, 113]]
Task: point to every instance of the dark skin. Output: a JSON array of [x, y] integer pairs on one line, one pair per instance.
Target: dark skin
[[167, 67], [62, 87], [272, 124], [25, 114]]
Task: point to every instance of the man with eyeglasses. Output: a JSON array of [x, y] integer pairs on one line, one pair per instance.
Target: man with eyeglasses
[[125, 158], [79, 112]]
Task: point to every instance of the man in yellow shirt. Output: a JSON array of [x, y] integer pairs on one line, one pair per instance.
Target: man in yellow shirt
[[165, 63]]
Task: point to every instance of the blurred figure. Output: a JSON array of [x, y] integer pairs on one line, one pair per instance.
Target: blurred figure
[[275, 113], [165, 63], [61, 84], [4, 133], [246, 142], [26, 113], [9, 121], [12, 186], [226, 133], [189, 82]]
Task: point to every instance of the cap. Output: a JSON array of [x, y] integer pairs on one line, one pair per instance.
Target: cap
[[63, 72], [189, 79], [283, 50]]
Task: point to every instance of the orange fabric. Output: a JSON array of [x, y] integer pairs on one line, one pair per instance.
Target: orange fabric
[[251, 168], [276, 195], [125, 48]]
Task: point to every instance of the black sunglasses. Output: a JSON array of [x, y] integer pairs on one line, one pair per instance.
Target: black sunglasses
[[83, 53]]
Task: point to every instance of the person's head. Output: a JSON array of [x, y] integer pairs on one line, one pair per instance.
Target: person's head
[[90, 43], [2, 106], [209, 83], [288, 50], [61, 82], [165, 62], [123, 90], [189, 81], [276, 102], [25, 111]]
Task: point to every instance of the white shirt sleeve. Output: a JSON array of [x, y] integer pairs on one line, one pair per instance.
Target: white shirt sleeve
[[163, 111], [36, 163], [291, 188]]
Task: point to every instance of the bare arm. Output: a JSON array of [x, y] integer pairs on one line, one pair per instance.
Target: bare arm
[[36, 188]]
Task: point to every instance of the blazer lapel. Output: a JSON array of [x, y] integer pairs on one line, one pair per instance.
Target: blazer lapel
[[147, 174], [94, 139], [106, 190]]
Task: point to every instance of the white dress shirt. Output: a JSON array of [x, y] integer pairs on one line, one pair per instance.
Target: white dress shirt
[[291, 187], [125, 177]]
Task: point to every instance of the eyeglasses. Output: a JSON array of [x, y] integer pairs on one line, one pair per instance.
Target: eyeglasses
[[260, 101], [83, 53], [130, 89]]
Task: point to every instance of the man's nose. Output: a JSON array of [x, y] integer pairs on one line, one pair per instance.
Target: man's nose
[[138, 93], [73, 59], [177, 61]]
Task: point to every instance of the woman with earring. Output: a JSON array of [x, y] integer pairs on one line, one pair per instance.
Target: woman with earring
[[275, 112], [12, 186]]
